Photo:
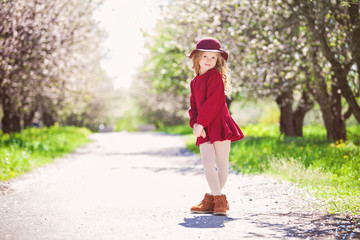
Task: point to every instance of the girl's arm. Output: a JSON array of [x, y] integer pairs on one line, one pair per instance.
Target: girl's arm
[[193, 113], [215, 99]]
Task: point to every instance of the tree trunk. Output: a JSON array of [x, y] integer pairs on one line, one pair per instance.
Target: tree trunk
[[291, 123], [28, 119], [333, 120], [11, 119], [284, 101], [330, 104], [48, 119], [299, 115], [338, 119]]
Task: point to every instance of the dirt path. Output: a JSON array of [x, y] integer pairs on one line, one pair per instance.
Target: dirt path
[[141, 186]]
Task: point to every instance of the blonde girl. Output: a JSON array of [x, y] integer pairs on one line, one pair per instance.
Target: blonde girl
[[211, 121]]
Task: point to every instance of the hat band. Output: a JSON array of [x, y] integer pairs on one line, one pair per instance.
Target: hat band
[[208, 50]]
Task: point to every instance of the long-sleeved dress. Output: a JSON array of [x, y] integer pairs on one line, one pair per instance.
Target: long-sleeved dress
[[208, 108]]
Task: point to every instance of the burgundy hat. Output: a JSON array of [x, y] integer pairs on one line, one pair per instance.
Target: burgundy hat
[[209, 45]]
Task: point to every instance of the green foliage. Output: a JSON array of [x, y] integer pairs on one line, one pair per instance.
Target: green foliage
[[130, 121], [127, 123], [33, 147], [330, 169], [129, 116], [166, 64]]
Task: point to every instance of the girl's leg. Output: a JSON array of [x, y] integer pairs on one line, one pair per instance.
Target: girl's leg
[[222, 151], [207, 152]]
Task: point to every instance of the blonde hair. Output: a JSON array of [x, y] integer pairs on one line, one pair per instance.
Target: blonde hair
[[221, 66]]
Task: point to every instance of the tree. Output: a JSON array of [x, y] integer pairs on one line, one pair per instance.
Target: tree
[[268, 47], [46, 49], [334, 31]]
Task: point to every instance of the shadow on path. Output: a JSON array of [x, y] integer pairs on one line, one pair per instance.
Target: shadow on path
[[305, 226], [300, 226], [206, 221]]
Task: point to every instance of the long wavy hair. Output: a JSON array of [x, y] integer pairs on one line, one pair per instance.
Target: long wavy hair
[[221, 66]]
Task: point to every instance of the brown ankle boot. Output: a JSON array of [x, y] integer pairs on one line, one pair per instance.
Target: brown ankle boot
[[205, 206], [220, 205]]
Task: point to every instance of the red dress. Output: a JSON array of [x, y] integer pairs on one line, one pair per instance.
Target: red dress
[[208, 108]]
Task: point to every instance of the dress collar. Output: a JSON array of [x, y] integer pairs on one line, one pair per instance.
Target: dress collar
[[206, 73]]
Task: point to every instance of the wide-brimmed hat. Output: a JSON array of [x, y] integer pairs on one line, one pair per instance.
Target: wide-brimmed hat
[[209, 45]]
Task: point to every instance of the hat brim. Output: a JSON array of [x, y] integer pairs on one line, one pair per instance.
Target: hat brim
[[224, 54]]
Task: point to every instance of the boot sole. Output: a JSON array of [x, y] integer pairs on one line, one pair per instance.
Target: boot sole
[[201, 211], [220, 214]]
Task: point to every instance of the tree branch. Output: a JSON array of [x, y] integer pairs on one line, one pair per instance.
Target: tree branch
[[348, 114]]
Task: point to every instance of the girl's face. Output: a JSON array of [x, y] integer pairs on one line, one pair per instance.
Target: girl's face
[[208, 61]]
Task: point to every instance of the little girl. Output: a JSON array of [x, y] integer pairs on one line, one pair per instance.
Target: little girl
[[211, 121]]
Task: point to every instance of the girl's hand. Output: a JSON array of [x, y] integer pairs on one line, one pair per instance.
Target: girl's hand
[[198, 129], [203, 133]]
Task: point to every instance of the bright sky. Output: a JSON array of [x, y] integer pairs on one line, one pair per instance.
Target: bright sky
[[123, 21]]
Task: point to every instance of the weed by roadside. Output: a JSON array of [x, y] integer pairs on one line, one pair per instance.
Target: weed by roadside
[[33, 147]]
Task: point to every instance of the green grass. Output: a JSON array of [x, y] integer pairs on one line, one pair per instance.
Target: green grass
[[33, 147], [177, 130], [331, 170]]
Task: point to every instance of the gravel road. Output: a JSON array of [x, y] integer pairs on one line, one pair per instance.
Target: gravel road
[[141, 186]]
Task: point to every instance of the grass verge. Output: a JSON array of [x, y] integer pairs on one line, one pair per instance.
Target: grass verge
[[330, 169], [33, 147]]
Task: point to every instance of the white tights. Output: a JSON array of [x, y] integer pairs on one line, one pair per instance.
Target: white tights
[[219, 150]]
